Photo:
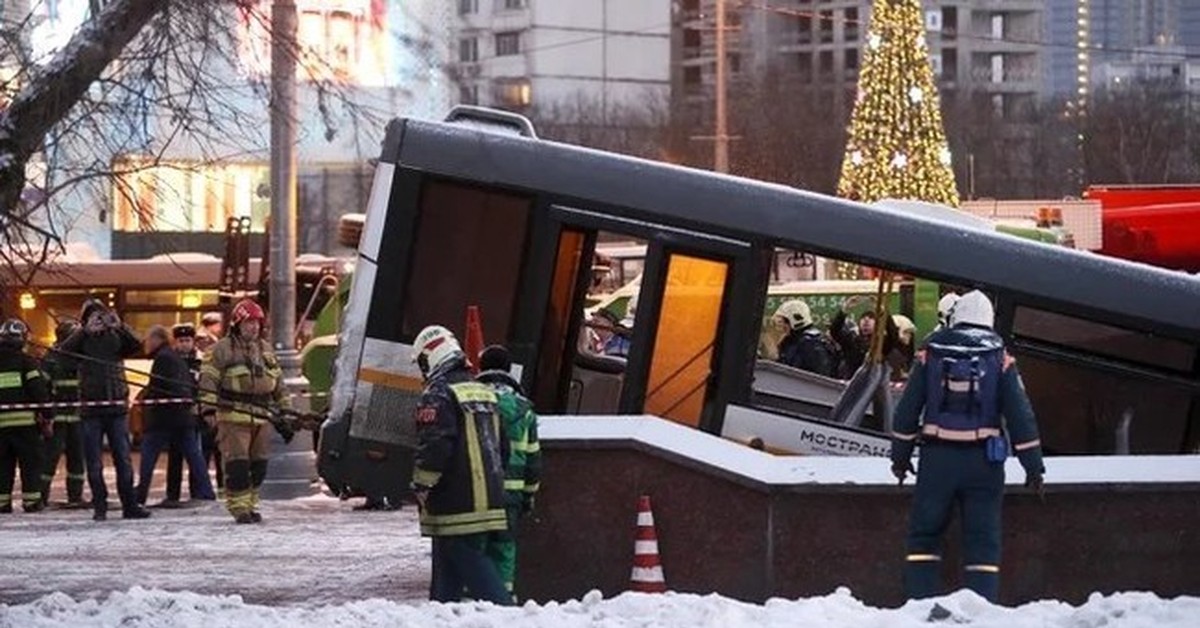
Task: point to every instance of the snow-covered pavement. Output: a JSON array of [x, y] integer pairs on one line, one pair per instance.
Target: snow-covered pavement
[[315, 562], [312, 550], [140, 608]]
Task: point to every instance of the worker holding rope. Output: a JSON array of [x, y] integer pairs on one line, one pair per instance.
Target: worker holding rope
[[239, 378]]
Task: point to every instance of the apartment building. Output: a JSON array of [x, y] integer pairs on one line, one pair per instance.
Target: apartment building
[[519, 54], [984, 47], [1085, 37]]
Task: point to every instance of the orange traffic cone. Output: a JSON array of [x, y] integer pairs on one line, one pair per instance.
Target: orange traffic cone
[[647, 574], [474, 345]]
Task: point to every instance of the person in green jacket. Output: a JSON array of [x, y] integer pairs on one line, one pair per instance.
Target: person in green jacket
[[523, 473]]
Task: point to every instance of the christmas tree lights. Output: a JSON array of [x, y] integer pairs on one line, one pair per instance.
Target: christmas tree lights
[[897, 146]]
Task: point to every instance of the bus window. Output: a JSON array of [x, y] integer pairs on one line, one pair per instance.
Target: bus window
[[818, 324], [1082, 410], [468, 247], [601, 351], [1085, 410], [1099, 339], [685, 339], [555, 333]]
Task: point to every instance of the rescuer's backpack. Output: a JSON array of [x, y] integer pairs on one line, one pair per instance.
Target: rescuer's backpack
[[962, 386]]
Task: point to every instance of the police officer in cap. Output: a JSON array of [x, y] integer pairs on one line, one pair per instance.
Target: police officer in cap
[[21, 429], [458, 477], [963, 402], [183, 342]]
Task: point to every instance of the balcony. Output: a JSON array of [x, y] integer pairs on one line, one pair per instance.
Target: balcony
[[1010, 80]]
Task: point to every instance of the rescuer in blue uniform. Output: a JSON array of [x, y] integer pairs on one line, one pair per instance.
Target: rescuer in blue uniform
[[458, 474], [964, 393]]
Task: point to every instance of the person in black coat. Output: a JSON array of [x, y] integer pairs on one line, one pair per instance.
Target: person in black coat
[[184, 343], [854, 340], [172, 423], [99, 348]]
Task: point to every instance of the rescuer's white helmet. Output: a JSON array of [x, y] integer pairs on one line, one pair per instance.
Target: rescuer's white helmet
[[974, 308], [946, 306], [796, 312], [906, 328], [435, 346]]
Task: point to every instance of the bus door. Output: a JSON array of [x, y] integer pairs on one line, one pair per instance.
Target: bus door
[[679, 348]]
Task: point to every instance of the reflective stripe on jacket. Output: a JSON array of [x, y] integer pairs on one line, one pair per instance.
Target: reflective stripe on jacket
[[21, 381], [460, 456], [524, 471], [242, 379]]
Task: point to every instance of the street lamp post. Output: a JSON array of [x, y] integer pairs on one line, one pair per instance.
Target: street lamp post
[[283, 183]]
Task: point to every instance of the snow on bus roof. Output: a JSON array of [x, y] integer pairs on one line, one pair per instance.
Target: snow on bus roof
[[764, 468]]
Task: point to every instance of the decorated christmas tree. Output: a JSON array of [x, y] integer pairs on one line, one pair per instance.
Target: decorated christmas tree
[[897, 146]]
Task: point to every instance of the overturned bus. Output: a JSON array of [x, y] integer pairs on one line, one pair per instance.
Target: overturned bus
[[476, 210]]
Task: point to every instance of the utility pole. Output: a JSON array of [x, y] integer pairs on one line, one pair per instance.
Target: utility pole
[[283, 184], [721, 141]]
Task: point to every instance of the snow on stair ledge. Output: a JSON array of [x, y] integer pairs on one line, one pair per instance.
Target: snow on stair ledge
[[764, 468]]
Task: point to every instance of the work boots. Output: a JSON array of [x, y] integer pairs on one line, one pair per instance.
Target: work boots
[[136, 512]]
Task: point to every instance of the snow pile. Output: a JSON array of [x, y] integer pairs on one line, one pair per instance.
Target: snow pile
[[146, 608]]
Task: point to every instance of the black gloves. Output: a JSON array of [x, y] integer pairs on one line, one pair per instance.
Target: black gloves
[[283, 426], [901, 469], [1037, 484]]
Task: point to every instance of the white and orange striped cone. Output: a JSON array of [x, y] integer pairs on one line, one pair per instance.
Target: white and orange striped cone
[[647, 574]]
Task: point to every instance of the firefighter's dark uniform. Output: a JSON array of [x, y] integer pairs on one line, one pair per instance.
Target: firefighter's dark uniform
[[806, 349], [523, 475], [962, 385], [21, 382], [460, 457], [68, 435]]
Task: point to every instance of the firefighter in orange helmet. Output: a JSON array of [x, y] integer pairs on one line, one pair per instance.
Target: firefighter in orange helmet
[[241, 383]]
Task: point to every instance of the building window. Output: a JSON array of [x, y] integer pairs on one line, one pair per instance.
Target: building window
[[949, 59], [467, 7], [513, 94], [735, 62], [850, 24], [468, 94], [804, 30], [825, 62], [468, 50], [692, 75], [825, 26], [508, 44], [349, 44], [949, 22], [188, 197], [804, 66], [851, 60], [510, 5]]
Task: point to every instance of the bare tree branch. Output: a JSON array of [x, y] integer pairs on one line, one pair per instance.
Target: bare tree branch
[[50, 94]]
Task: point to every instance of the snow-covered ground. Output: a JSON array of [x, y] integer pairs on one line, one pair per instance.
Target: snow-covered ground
[[146, 608], [315, 562], [312, 550]]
